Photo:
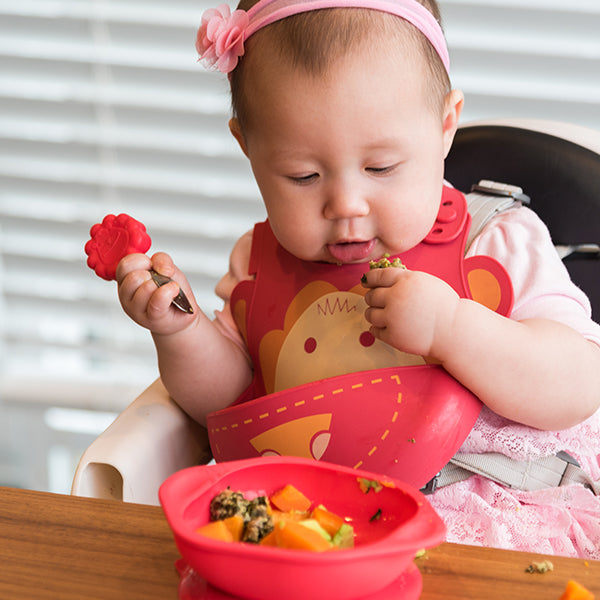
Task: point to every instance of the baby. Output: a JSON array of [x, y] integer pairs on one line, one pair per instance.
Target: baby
[[345, 112]]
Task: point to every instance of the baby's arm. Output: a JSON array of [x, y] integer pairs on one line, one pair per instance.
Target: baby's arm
[[536, 371], [202, 369]]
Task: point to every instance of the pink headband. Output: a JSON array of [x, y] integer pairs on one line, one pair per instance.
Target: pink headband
[[221, 37]]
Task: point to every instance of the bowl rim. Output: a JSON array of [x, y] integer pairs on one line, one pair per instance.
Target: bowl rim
[[425, 520]]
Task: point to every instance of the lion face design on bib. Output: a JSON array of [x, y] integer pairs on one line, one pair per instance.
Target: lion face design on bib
[[325, 334]]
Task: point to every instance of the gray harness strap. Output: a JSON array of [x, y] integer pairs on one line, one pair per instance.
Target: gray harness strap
[[487, 199], [485, 205], [546, 472]]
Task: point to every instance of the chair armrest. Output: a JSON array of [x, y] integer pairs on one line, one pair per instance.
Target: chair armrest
[[150, 440]]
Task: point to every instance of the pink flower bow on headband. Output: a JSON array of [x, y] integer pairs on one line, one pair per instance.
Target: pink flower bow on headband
[[220, 39]]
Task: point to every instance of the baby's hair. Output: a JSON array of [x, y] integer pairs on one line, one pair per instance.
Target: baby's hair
[[314, 40]]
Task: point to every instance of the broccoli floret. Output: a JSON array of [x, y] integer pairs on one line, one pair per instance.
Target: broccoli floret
[[227, 504], [385, 262], [257, 520], [259, 523]]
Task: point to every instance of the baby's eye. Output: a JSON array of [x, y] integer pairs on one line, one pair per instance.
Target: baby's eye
[[381, 170], [304, 179]]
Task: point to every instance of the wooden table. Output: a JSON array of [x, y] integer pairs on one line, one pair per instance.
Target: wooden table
[[63, 548]]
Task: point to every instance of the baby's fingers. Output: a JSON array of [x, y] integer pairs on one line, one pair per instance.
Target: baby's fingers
[[161, 298], [162, 263], [376, 317], [136, 285], [382, 277], [376, 297], [130, 263]]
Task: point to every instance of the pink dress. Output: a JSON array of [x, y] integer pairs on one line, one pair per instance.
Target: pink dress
[[562, 521]]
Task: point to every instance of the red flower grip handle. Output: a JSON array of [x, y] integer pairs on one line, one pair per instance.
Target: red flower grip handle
[[114, 238]]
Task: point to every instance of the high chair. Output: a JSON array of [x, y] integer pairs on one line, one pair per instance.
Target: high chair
[[150, 440], [558, 167]]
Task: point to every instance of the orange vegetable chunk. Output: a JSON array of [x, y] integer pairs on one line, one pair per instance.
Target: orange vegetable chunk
[[293, 535], [217, 530], [329, 521], [575, 591], [226, 530], [235, 524], [278, 515], [289, 499], [269, 540]]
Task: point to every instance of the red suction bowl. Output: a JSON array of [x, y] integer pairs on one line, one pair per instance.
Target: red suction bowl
[[406, 422], [384, 547]]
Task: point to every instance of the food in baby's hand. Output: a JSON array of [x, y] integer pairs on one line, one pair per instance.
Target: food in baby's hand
[[113, 239], [384, 262], [284, 520]]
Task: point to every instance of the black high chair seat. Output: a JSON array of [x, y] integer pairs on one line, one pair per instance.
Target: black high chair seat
[[558, 167]]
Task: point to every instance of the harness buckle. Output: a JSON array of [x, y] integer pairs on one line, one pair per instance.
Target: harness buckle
[[569, 460], [431, 485], [495, 188]]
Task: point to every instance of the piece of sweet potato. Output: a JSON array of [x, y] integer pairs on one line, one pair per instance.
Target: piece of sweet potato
[[294, 535], [226, 530], [290, 499], [329, 521], [575, 591], [269, 540]]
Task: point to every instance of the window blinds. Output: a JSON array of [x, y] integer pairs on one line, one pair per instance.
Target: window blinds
[[526, 58], [104, 110]]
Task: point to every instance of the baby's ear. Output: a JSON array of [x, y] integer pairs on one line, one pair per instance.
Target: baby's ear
[[236, 130], [453, 105]]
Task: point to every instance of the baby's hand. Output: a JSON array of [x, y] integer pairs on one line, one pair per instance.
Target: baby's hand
[[147, 304], [410, 310]]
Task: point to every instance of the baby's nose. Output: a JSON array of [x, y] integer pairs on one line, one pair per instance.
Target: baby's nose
[[345, 202]]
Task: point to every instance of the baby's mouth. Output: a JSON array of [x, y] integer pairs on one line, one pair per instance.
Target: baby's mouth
[[351, 252]]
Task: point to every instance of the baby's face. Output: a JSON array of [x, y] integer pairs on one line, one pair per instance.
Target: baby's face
[[350, 164]]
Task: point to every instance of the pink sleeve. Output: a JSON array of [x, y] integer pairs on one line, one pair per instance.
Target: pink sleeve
[[520, 241], [238, 271]]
